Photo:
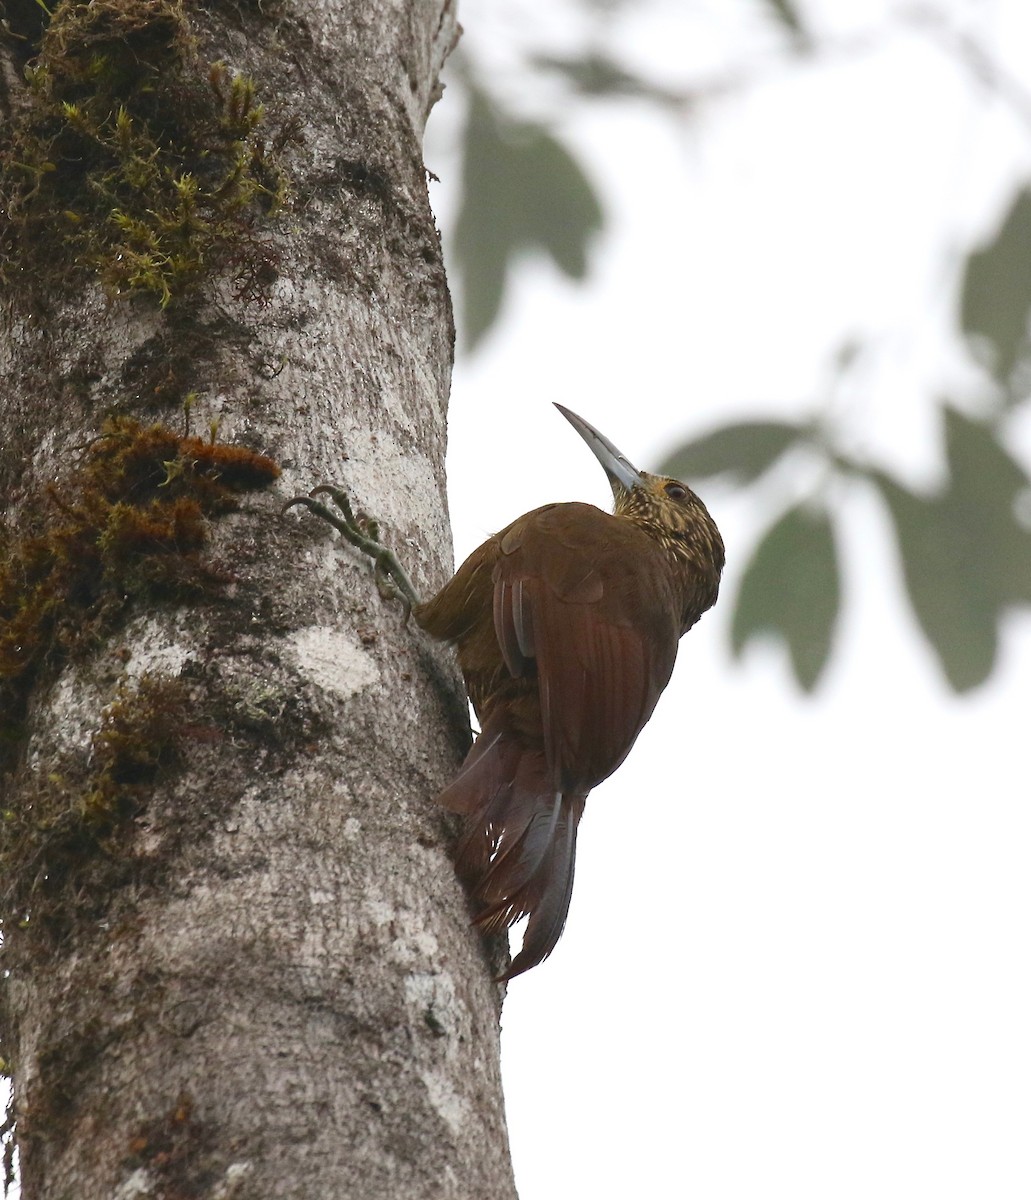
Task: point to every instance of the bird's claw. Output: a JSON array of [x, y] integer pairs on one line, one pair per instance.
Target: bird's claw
[[363, 532], [387, 586]]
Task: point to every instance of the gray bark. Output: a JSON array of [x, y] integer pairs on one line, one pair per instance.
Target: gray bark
[[288, 1001]]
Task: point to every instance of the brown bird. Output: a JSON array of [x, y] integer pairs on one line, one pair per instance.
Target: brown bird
[[566, 624]]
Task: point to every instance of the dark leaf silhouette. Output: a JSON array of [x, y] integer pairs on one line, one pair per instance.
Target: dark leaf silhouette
[[996, 292], [791, 589], [521, 190], [965, 556], [743, 450], [598, 75]]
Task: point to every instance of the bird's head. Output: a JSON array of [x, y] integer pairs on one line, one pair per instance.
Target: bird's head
[[666, 508]]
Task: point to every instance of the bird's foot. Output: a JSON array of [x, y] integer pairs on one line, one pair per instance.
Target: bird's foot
[[362, 531]]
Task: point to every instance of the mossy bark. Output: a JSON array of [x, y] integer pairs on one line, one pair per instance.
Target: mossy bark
[[236, 959]]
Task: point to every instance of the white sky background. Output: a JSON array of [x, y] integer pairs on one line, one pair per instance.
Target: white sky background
[[797, 957]]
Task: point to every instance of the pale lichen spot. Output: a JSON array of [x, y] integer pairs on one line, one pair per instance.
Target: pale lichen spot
[[232, 1181], [380, 912], [451, 1105], [333, 660], [139, 1183], [159, 647]]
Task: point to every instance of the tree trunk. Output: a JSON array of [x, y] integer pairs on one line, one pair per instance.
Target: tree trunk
[[236, 960]]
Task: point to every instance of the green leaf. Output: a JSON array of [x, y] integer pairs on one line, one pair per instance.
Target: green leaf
[[744, 450], [996, 291], [952, 603], [965, 557], [791, 589], [483, 250], [521, 190], [559, 208]]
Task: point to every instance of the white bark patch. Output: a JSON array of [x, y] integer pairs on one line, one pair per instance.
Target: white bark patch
[[233, 1180], [333, 660], [380, 912], [139, 1183], [72, 717], [432, 998], [452, 1106], [158, 647], [426, 943], [413, 943], [434, 993]]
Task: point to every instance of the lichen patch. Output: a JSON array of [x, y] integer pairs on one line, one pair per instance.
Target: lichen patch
[[333, 660]]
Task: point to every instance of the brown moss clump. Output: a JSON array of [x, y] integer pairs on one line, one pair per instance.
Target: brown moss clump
[[136, 162], [175, 1149], [126, 40], [131, 522], [139, 737], [69, 835]]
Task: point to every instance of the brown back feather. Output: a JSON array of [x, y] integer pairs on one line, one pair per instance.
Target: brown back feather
[[567, 625]]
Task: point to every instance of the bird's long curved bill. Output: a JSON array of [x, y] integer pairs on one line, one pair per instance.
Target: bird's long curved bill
[[620, 470]]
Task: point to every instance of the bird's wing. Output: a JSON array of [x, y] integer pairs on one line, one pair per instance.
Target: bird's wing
[[584, 599], [457, 607]]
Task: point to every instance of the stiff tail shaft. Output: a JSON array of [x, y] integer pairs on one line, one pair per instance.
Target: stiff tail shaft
[[517, 853]]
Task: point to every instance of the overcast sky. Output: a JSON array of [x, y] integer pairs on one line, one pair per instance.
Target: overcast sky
[[796, 962]]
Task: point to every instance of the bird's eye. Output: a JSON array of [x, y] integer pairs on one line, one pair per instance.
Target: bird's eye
[[676, 491]]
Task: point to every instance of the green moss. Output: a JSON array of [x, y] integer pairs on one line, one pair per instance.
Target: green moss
[[135, 162], [131, 523]]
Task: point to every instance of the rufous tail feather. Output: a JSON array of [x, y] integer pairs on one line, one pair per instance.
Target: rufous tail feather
[[517, 853]]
